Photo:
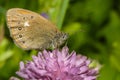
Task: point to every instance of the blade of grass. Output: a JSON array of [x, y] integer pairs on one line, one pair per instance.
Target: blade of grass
[[61, 14]]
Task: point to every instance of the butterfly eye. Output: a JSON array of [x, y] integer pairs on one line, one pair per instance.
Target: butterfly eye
[[65, 36]]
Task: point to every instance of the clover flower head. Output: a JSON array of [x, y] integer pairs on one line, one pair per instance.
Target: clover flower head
[[57, 65]]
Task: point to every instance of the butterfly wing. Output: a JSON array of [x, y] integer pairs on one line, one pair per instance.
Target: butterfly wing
[[29, 30]]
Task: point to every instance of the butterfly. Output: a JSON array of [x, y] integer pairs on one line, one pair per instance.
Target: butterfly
[[30, 30]]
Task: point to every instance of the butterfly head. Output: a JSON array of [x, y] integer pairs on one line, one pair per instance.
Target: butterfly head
[[59, 40]]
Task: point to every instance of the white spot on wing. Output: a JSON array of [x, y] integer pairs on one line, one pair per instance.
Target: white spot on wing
[[26, 24]]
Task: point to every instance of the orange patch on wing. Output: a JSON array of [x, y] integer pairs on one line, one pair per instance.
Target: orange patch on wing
[[23, 12]]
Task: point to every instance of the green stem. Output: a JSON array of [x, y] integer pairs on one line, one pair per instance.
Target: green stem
[[61, 14]]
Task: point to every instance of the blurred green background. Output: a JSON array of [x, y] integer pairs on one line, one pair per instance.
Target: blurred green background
[[93, 26]]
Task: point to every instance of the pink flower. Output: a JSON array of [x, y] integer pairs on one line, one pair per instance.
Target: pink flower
[[57, 65]]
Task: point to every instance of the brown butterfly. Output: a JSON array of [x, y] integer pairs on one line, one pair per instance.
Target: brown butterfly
[[30, 31]]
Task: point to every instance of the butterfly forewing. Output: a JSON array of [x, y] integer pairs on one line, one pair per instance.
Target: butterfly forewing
[[29, 30]]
